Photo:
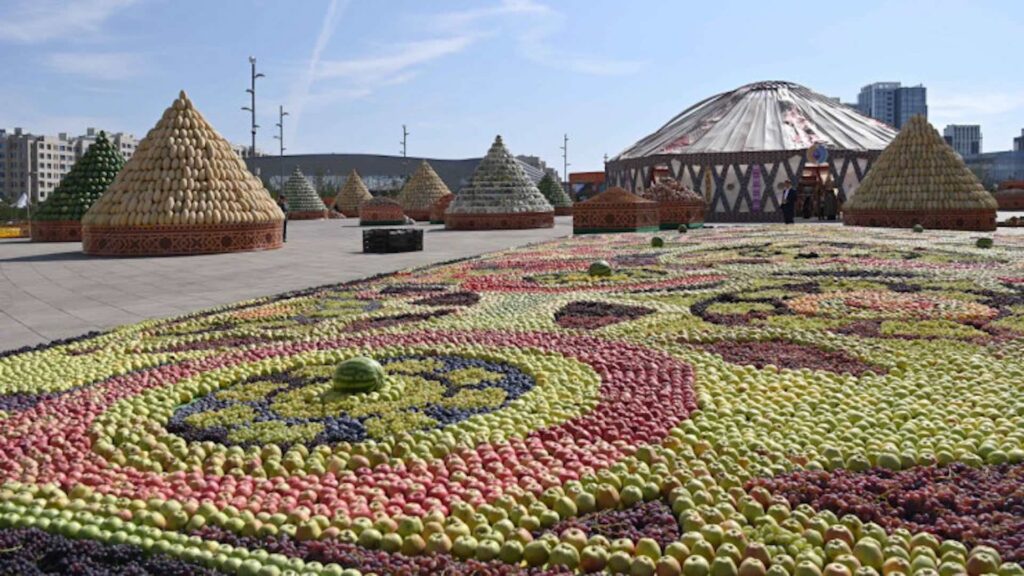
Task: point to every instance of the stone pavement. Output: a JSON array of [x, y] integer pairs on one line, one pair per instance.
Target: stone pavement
[[52, 290]]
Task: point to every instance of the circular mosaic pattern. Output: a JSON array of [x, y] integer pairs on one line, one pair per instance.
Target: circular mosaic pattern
[[871, 304]]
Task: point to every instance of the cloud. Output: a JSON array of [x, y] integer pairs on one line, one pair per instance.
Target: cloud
[[966, 106], [38, 21], [375, 70], [301, 95], [105, 66]]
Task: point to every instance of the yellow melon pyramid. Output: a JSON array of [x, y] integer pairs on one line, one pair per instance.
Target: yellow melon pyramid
[[185, 191], [352, 195], [421, 192]]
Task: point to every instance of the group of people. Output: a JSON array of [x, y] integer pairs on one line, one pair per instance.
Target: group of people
[[825, 202]]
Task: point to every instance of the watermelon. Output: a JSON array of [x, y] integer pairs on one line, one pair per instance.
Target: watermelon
[[984, 243], [600, 268], [657, 242], [358, 374], [918, 228]]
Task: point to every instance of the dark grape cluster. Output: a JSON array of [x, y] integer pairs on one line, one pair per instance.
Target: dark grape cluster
[[649, 520], [977, 506], [31, 552], [388, 321], [591, 315], [637, 259], [375, 561], [789, 355], [450, 299]]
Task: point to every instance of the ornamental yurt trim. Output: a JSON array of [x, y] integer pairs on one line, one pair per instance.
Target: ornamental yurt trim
[[352, 195], [303, 201], [422, 190], [499, 196], [184, 191], [920, 180]]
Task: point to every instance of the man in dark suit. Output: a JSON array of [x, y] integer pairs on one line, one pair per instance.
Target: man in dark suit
[[789, 203]]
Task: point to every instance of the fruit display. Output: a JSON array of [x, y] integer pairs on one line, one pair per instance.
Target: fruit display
[[439, 208], [919, 180], [352, 195], [720, 405], [615, 210], [499, 195], [424, 189], [381, 211], [58, 219], [185, 191], [553, 190], [1010, 197], [303, 201], [677, 205]]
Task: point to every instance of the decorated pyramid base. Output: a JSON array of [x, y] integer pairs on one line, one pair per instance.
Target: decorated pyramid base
[[972, 220], [506, 221], [181, 240], [419, 215], [615, 217], [56, 231], [308, 215], [563, 210], [1011, 199], [672, 214]]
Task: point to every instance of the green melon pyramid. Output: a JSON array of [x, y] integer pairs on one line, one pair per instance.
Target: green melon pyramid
[[301, 195], [552, 190], [84, 183]]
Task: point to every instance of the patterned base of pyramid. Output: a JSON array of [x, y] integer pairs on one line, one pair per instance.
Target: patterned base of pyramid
[[1011, 199], [615, 218], [563, 210], [672, 214], [517, 221], [972, 220], [57, 231], [180, 240], [310, 215]]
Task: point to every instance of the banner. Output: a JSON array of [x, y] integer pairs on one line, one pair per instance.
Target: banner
[[755, 191]]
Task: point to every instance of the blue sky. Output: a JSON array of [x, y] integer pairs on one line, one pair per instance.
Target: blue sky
[[351, 72]]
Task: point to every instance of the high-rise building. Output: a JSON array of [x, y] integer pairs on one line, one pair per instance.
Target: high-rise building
[[123, 142], [892, 103], [964, 138], [1018, 142]]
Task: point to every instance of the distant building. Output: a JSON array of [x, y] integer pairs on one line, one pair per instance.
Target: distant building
[[964, 138], [123, 142], [584, 185], [893, 103], [993, 168], [1018, 142], [244, 151]]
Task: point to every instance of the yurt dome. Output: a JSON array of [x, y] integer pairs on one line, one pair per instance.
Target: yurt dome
[[352, 195], [737, 148], [303, 201], [420, 193], [184, 191]]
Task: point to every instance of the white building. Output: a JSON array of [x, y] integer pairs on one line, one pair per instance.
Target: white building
[[964, 138]]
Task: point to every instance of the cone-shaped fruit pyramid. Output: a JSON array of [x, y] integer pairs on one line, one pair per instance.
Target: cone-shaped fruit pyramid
[[499, 196], [421, 192], [59, 219], [919, 179], [303, 202], [184, 191], [554, 192], [352, 195]]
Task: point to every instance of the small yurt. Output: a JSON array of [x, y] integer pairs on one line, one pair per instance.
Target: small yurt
[[919, 179], [381, 211], [421, 192], [185, 191], [615, 210], [303, 201], [352, 195], [677, 205]]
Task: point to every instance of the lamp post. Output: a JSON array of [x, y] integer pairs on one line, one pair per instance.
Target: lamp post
[[280, 140], [565, 157], [251, 108]]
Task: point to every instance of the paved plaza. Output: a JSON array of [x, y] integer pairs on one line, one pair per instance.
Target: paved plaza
[[52, 290]]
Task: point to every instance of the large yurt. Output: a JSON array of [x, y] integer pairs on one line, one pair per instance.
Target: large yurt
[[59, 218], [303, 201], [185, 191], [352, 195], [919, 179], [615, 210], [499, 196], [737, 148], [420, 193]]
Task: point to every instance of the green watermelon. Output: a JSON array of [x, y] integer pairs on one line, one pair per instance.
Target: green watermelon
[[600, 268], [918, 228], [359, 374], [83, 184], [984, 243], [657, 242]]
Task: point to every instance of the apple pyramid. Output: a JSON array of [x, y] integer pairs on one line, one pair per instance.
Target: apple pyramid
[[919, 179], [352, 195], [183, 174], [421, 192]]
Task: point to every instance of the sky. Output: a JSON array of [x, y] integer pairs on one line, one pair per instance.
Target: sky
[[350, 73]]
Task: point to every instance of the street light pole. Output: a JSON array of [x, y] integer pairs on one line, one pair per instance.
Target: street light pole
[[252, 106], [565, 157], [280, 139]]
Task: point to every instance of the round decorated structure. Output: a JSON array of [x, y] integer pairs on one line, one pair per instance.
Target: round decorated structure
[[421, 192], [736, 149], [185, 191], [1010, 196], [499, 196], [615, 210], [381, 211], [677, 205], [919, 179], [303, 201], [352, 195], [59, 218], [438, 209], [552, 189]]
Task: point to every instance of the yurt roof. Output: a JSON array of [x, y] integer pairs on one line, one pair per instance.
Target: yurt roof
[[763, 116]]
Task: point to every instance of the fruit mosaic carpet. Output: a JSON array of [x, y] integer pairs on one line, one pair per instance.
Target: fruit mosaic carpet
[[805, 401]]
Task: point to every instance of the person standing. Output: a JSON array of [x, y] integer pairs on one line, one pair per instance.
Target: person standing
[[789, 202], [282, 203], [831, 202]]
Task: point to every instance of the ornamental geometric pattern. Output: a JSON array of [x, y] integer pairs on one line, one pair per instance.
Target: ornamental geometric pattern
[[181, 240], [615, 210], [56, 230]]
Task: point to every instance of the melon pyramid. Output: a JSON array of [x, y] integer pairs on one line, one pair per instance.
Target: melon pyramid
[[352, 195], [919, 179], [421, 192], [185, 191], [59, 219], [499, 195], [554, 192], [303, 202]]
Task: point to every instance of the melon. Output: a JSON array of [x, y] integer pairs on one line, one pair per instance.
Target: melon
[[657, 242], [600, 268], [359, 374], [984, 243]]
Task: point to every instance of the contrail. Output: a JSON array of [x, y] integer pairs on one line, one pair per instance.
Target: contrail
[[301, 93]]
